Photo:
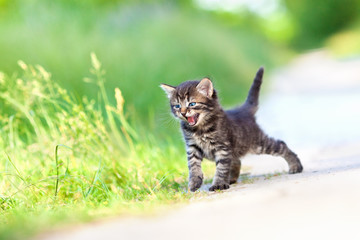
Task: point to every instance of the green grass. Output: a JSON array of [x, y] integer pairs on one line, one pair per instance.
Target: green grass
[[59, 154]]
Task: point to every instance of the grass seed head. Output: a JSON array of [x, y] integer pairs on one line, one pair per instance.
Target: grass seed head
[[95, 61], [119, 100]]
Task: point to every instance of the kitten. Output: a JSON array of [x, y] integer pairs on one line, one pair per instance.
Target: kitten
[[223, 136]]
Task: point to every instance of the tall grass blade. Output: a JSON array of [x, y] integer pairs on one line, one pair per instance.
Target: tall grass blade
[[17, 170], [57, 166]]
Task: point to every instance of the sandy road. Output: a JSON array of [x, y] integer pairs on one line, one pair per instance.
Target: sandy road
[[314, 105]]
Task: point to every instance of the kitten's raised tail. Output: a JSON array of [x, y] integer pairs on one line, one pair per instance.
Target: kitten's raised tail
[[252, 100]]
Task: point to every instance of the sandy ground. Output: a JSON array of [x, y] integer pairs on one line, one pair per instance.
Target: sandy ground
[[314, 106]]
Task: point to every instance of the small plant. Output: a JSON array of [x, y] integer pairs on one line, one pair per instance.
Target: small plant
[[275, 174], [247, 179]]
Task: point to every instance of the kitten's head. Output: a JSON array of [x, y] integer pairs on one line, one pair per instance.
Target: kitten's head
[[192, 101]]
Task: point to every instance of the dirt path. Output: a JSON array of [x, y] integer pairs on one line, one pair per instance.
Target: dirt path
[[314, 106]]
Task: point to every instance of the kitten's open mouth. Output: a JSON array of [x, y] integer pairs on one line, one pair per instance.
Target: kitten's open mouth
[[193, 119]]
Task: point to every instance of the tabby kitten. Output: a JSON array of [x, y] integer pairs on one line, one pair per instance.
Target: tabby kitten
[[223, 136]]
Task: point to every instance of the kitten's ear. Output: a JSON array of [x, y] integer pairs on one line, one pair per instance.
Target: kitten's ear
[[205, 87], [169, 90]]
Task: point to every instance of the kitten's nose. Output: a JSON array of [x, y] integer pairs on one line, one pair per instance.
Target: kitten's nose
[[183, 112]]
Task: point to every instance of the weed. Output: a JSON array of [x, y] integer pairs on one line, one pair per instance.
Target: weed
[[275, 174], [246, 179]]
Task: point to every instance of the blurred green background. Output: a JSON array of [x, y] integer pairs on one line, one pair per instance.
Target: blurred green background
[[144, 43]]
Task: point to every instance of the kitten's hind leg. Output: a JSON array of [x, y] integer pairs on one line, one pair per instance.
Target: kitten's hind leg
[[274, 147], [235, 170]]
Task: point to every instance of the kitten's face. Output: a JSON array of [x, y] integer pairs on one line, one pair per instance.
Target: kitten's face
[[191, 101]]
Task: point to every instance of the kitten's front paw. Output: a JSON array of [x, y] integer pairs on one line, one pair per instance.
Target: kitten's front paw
[[195, 183], [219, 186], [296, 168]]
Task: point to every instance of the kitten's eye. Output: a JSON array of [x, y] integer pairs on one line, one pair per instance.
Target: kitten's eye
[[177, 106], [192, 104]]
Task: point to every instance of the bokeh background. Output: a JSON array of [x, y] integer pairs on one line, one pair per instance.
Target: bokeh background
[[144, 43], [73, 151]]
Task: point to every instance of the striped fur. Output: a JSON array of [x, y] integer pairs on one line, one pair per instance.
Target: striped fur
[[223, 136]]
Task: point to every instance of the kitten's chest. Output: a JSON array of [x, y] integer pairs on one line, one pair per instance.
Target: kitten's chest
[[207, 144]]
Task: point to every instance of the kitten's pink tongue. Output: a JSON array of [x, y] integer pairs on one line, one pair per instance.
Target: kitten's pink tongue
[[191, 120]]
